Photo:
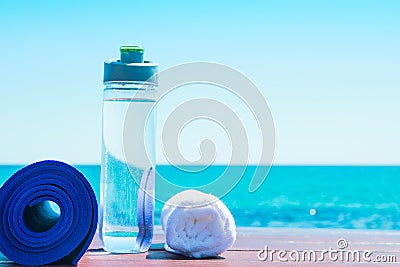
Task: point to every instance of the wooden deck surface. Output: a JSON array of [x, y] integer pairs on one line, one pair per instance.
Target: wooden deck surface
[[383, 245]]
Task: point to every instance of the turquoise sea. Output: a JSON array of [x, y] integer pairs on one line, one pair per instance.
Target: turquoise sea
[[361, 197]]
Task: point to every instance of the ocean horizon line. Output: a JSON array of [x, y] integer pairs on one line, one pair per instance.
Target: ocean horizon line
[[248, 165]]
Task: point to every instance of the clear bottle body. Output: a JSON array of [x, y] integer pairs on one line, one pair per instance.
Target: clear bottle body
[[127, 168]]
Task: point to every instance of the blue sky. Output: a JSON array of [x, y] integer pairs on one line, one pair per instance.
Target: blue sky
[[330, 70]]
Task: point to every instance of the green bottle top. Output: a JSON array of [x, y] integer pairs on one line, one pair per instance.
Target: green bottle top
[[131, 66], [131, 54]]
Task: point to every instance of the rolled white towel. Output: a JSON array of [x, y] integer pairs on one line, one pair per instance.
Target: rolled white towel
[[197, 225]]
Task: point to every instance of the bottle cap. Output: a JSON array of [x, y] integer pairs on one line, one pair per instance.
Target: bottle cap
[[130, 67]]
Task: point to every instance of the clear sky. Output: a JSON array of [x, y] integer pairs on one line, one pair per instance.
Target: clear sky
[[330, 70]]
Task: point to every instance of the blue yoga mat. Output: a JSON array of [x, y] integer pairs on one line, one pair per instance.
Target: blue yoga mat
[[48, 214]]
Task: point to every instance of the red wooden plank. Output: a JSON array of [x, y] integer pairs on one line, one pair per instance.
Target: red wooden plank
[[249, 242]]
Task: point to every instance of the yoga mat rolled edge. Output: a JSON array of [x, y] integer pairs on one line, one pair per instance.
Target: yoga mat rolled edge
[[31, 232]]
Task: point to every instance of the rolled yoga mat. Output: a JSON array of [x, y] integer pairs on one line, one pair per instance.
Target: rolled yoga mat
[[32, 231]]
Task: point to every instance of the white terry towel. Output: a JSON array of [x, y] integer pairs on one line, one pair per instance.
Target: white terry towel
[[197, 225]]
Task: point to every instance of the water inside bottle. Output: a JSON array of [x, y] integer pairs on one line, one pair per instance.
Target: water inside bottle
[[125, 163]]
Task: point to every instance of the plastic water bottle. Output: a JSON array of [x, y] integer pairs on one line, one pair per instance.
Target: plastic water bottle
[[127, 171]]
